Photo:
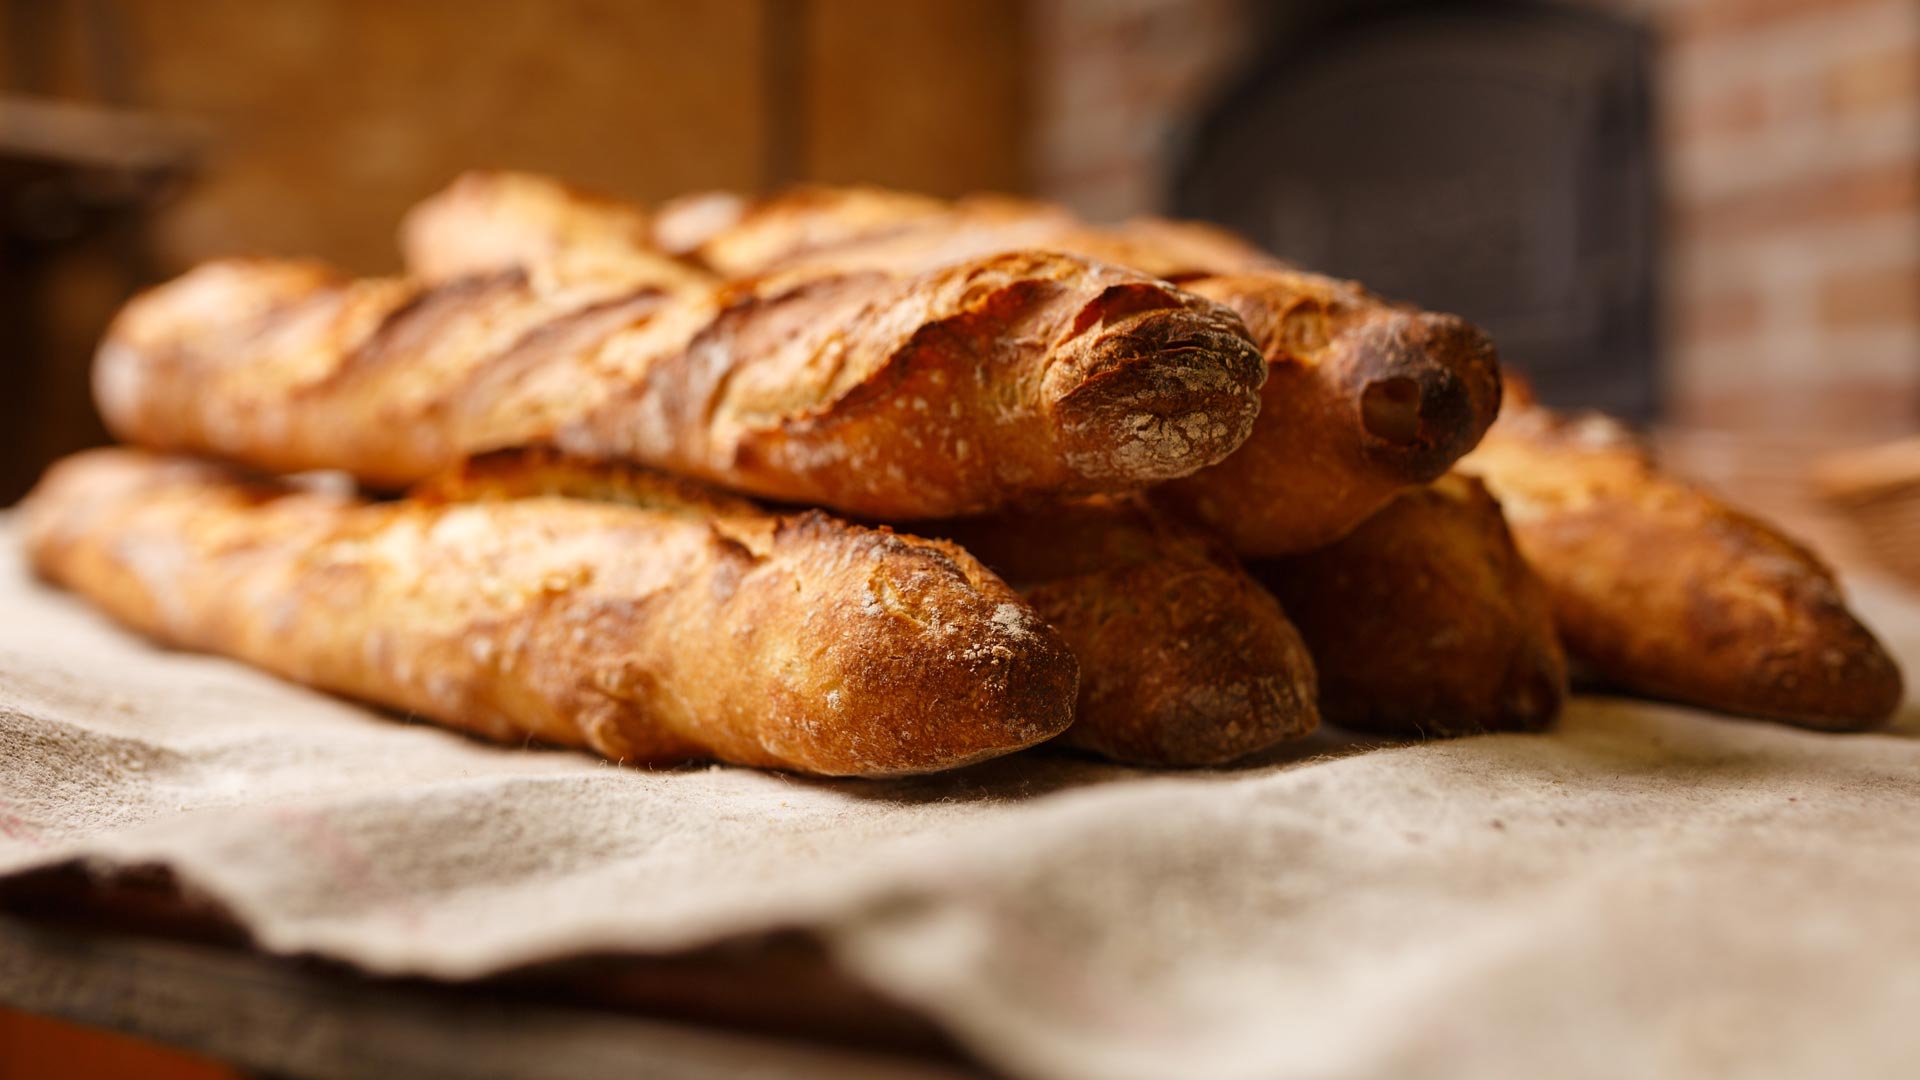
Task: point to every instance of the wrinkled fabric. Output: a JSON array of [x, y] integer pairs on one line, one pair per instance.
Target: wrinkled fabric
[[1645, 890]]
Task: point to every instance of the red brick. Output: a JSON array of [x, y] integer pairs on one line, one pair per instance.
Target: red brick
[[1808, 408], [1867, 297], [1719, 18], [1870, 83], [1844, 196], [1717, 317], [1740, 111]]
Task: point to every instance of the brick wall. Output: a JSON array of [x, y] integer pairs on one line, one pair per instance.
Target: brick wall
[[1790, 132], [1791, 135], [1116, 84]]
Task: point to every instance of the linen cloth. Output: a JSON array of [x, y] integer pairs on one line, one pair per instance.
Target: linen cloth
[[1644, 891]]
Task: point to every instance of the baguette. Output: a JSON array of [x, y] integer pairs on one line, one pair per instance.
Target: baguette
[[485, 222], [1660, 588], [287, 366], [677, 627], [764, 235], [819, 229], [891, 396], [1364, 399], [1178, 252], [1184, 659], [1425, 620], [488, 222], [1174, 251]]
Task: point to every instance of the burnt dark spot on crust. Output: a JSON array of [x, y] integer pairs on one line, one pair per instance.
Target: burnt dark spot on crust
[[1425, 387], [1390, 410]]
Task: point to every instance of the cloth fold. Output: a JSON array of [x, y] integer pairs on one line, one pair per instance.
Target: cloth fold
[[1644, 890]]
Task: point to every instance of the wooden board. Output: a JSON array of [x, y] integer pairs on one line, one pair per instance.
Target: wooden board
[[286, 1018]]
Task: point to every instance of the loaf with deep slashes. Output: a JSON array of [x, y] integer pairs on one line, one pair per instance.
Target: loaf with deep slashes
[[1425, 620], [674, 626], [896, 396], [1363, 398], [1660, 588]]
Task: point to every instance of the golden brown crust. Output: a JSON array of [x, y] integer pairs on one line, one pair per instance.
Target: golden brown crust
[[1660, 588], [950, 392], [674, 628], [288, 366], [681, 224], [1425, 620], [1183, 250], [953, 391], [1184, 658], [486, 222], [819, 229], [778, 231], [525, 472], [1363, 399], [1169, 250]]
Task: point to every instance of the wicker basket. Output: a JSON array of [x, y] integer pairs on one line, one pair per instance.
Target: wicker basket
[[1877, 491]]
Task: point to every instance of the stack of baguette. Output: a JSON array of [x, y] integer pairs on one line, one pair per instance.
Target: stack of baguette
[[859, 483]]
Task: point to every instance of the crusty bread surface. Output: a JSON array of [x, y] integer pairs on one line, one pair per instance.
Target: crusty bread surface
[[489, 221], [668, 628], [1425, 620], [954, 391], [1184, 658], [1363, 398], [1660, 588]]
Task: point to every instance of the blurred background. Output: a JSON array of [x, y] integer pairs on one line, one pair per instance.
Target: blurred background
[[1700, 214]]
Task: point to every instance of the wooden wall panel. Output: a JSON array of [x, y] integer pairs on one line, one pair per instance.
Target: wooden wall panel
[[331, 116], [327, 117], [930, 95]]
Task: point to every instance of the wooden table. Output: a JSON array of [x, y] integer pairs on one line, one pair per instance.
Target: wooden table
[[135, 960]]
